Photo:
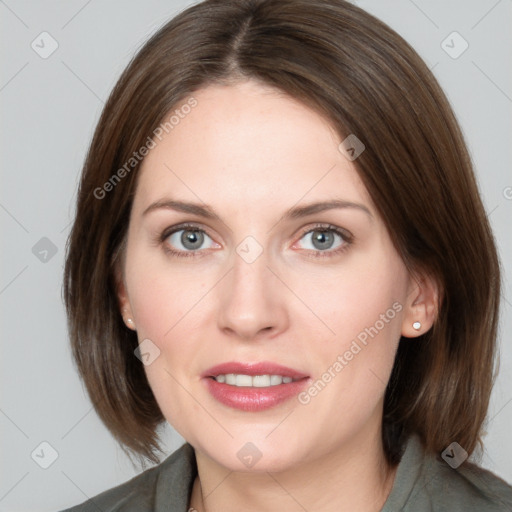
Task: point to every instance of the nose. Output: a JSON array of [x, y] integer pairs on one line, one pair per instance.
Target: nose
[[252, 301]]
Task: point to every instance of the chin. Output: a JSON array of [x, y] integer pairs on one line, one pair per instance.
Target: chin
[[251, 456]]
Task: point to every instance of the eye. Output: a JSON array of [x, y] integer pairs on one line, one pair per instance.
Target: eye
[[185, 240], [188, 241], [327, 239]]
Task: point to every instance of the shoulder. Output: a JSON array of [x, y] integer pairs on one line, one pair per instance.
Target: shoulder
[[426, 482], [169, 482], [467, 488]]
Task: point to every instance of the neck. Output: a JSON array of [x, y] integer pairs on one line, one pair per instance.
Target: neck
[[354, 477]]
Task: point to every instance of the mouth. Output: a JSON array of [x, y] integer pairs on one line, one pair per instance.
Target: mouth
[[253, 386], [252, 381]]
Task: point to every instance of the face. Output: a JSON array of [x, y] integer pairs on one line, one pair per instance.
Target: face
[[262, 286]]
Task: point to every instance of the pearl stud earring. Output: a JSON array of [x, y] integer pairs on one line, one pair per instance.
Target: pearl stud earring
[[416, 325]]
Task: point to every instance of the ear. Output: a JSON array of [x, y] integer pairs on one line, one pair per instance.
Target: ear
[[122, 297], [421, 309]]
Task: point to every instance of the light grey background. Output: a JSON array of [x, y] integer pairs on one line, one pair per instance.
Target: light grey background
[[49, 110]]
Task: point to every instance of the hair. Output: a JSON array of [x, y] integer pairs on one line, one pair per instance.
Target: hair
[[364, 79]]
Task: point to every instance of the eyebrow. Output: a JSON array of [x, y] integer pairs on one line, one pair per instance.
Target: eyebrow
[[293, 213]]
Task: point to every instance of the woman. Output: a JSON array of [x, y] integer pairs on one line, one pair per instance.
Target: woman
[[280, 249]]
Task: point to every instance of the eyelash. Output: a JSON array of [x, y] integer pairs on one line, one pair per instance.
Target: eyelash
[[344, 234]]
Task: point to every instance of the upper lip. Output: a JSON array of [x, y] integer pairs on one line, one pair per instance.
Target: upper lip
[[259, 368]]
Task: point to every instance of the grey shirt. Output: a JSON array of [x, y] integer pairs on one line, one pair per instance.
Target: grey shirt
[[423, 483]]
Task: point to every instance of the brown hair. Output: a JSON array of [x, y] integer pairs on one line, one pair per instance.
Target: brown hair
[[366, 80]]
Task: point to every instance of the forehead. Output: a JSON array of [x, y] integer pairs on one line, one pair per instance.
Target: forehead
[[248, 144]]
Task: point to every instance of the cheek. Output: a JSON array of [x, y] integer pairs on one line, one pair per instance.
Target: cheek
[[363, 293], [166, 303], [161, 295], [362, 305], [163, 302]]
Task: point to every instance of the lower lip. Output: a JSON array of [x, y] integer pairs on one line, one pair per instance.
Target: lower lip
[[254, 399]]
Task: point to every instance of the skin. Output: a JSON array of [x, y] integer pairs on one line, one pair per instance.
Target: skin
[[252, 153]]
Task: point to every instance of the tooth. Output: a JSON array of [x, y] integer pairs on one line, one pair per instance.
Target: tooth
[[261, 381], [275, 380], [243, 380], [257, 381]]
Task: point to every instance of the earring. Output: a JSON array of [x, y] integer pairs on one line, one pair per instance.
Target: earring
[[416, 325], [129, 321]]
